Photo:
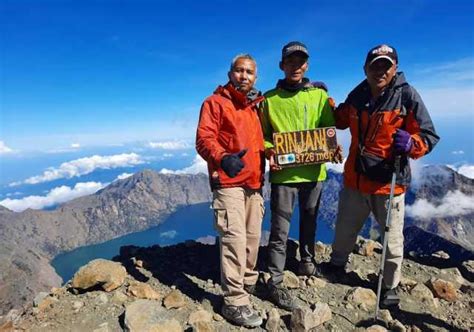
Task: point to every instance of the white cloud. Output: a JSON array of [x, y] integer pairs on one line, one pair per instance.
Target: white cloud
[[453, 204], [84, 166], [458, 100], [466, 170], [57, 195], [4, 148], [124, 176], [169, 234], [457, 152], [447, 86], [460, 70], [199, 165], [75, 145], [208, 239], [169, 145], [168, 155]]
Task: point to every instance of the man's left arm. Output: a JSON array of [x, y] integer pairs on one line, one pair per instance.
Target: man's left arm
[[420, 127], [327, 112]]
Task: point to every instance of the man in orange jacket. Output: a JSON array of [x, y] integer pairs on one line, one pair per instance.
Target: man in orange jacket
[[230, 139], [387, 118]]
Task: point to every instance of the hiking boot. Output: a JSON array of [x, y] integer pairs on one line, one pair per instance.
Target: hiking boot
[[332, 272], [250, 289], [308, 268], [242, 315], [389, 298], [281, 297]]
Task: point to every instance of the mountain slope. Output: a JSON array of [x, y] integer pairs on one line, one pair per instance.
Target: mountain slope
[[30, 239]]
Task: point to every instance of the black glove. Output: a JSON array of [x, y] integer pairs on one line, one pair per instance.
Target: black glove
[[232, 165]]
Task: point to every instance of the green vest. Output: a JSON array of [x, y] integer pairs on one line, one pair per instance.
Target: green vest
[[284, 111]]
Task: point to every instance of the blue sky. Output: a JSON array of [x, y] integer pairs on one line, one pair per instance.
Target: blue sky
[[107, 72], [119, 80]]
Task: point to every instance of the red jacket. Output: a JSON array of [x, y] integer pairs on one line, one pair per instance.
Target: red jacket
[[229, 123], [400, 106]]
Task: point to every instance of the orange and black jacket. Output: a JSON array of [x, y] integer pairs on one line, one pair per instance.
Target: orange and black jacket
[[229, 123], [400, 106]]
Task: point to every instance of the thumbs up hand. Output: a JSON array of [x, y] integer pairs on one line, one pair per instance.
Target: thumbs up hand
[[232, 164]]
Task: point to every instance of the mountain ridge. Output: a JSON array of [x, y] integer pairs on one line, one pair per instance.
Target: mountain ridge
[[133, 204]]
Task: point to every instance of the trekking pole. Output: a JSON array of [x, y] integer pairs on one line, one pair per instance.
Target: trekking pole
[[385, 237]]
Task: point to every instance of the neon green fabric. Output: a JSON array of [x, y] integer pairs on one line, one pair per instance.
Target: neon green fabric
[[284, 111]]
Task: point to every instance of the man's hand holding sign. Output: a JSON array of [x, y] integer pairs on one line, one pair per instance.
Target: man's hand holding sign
[[305, 147]]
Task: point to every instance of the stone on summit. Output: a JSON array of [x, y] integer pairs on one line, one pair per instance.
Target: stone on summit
[[100, 273]]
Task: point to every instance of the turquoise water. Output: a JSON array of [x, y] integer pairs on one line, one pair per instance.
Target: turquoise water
[[188, 223]]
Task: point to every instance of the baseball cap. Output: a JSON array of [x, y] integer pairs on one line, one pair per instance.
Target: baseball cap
[[292, 47], [382, 52]]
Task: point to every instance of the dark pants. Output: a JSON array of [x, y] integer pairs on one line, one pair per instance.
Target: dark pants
[[282, 203]]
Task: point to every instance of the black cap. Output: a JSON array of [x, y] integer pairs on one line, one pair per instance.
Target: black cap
[[292, 47], [382, 52]]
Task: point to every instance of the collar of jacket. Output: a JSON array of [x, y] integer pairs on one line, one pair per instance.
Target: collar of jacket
[[305, 84], [252, 98]]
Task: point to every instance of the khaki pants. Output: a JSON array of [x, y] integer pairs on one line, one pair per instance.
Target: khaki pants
[[354, 209], [238, 219]]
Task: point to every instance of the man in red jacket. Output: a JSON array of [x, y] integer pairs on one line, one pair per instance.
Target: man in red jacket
[[230, 139], [387, 120]]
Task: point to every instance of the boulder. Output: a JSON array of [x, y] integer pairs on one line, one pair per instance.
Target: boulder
[[367, 247], [376, 328], [174, 300], [142, 290], [443, 289], [101, 273], [316, 282], [290, 280], [362, 296], [453, 276], [421, 293], [149, 316], [304, 319], [199, 315], [273, 322], [396, 326], [440, 254], [203, 327]]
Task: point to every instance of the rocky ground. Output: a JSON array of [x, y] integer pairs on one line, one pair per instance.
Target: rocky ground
[[177, 288]]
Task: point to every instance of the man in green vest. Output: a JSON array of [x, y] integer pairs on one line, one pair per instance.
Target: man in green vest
[[295, 104]]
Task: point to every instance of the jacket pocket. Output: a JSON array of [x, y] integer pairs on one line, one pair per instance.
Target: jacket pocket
[[221, 221]]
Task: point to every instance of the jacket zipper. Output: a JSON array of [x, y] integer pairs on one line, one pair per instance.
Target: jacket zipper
[[379, 123], [305, 117]]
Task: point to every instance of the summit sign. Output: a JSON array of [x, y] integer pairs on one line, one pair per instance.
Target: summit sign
[[305, 147]]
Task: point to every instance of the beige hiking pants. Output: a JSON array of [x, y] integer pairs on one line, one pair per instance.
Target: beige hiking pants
[[354, 209], [238, 219]]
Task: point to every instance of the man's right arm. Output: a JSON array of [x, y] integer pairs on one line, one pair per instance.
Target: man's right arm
[[207, 144]]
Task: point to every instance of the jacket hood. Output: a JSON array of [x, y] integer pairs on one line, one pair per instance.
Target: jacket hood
[[228, 91], [305, 84]]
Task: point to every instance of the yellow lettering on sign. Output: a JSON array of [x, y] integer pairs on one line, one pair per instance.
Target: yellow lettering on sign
[[279, 144], [309, 142], [291, 145], [319, 140]]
